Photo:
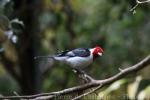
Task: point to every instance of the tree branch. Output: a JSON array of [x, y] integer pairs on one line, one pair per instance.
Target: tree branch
[[95, 83], [137, 3], [87, 93]]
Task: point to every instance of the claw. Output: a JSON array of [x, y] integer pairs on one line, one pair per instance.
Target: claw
[[81, 74]]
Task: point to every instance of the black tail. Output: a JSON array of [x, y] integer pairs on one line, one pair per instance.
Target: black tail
[[39, 57]]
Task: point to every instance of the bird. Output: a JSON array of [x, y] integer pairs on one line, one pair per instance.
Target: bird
[[77, 58]]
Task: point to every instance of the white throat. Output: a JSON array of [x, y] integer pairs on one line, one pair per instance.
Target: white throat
[[92, 50]]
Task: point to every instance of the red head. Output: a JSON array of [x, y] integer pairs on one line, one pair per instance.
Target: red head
[[97, 51]]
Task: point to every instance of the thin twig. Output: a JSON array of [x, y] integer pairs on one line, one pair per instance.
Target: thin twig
[[133, 8], [137, 3], [140, 2]]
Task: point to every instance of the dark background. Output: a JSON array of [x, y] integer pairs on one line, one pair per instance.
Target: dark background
[[44, 27]]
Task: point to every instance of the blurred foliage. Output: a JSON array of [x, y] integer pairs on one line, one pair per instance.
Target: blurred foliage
[[67, 24]]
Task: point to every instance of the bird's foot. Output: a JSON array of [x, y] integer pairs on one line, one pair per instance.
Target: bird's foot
[[86, 78]]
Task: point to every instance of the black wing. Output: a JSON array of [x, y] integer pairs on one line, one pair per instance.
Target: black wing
[[80, 52]]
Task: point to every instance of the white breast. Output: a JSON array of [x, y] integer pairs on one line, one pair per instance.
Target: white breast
[[80, 61]]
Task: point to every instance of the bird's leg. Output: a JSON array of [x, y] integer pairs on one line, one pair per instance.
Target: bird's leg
[[83, 75], [80, 74]]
